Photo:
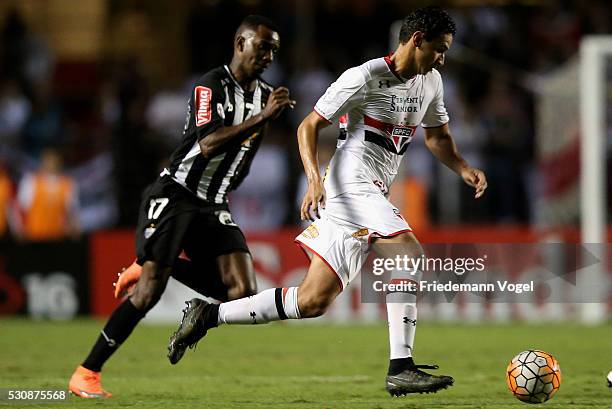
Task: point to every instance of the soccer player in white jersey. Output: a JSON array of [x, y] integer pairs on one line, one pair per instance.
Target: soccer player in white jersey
[[380, 103]]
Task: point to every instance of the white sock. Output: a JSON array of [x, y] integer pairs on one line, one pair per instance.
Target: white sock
[[402, 327], [402, 318], [273, 304]]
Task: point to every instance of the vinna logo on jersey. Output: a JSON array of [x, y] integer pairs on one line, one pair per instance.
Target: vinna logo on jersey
[[203, 96]]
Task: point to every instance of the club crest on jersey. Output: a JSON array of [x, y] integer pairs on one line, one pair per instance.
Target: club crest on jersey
[[401, 135], [396, 137], [203, 96]]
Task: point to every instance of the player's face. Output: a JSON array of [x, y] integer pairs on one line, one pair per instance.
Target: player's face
[[259, 50], [430, 54]]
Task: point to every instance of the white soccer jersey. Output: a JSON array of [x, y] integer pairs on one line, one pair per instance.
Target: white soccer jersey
[[381, 112]]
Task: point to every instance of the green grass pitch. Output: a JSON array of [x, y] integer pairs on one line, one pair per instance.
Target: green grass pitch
[[303, 366]]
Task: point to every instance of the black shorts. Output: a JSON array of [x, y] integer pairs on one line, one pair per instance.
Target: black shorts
[[172, 219]]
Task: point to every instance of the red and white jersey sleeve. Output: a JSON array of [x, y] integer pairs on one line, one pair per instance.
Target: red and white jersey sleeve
[[343, 95]]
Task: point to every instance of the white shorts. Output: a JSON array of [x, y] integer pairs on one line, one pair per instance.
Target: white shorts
[[348, 224]]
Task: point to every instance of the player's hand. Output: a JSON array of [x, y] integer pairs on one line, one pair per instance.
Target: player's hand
[[313, 200], [475, 178], [277, 102]]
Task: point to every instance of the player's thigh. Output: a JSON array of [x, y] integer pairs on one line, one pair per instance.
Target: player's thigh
[[402, 244], [319, 289]]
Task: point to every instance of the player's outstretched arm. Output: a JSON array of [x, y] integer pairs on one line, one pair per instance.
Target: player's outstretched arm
[[440, 142], [308, 135], [277, 102]]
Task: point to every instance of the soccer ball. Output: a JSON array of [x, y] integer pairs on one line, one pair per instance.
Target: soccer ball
[[533, 376]]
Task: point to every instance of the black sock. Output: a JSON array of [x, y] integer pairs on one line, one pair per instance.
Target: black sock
[[399, 365], [118, 327], [211, 316]]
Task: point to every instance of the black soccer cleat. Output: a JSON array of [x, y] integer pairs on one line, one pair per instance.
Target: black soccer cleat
[[193, 328], [413, 380]]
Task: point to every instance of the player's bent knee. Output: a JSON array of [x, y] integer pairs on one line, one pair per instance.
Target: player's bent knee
[[150, 287], [145, 297], [312, 306]]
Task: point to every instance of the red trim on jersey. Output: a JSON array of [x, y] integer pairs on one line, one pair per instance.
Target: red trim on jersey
[[381, 126], [284, 294], [386, 127], [301, 245], [388, 236], [320, 114], [391, 66]]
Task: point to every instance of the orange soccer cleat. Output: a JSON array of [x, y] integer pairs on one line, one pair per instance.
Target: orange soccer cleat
[[85, 383], [127, 280]]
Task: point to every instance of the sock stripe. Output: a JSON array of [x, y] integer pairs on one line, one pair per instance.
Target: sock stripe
[[278, 298]]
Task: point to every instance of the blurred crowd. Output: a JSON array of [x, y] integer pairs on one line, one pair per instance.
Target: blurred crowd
[[78, 143]]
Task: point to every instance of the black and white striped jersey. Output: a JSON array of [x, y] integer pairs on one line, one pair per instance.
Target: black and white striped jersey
[[217, 100]]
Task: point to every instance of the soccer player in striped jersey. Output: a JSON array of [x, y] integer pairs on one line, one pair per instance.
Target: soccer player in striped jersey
[[380, 104], [186, 208]]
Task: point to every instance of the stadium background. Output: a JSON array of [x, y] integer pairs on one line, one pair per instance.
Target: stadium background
[[105, 83]]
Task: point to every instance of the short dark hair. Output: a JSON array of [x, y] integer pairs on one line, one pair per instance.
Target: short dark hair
[[432, 21], [253, 21]]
